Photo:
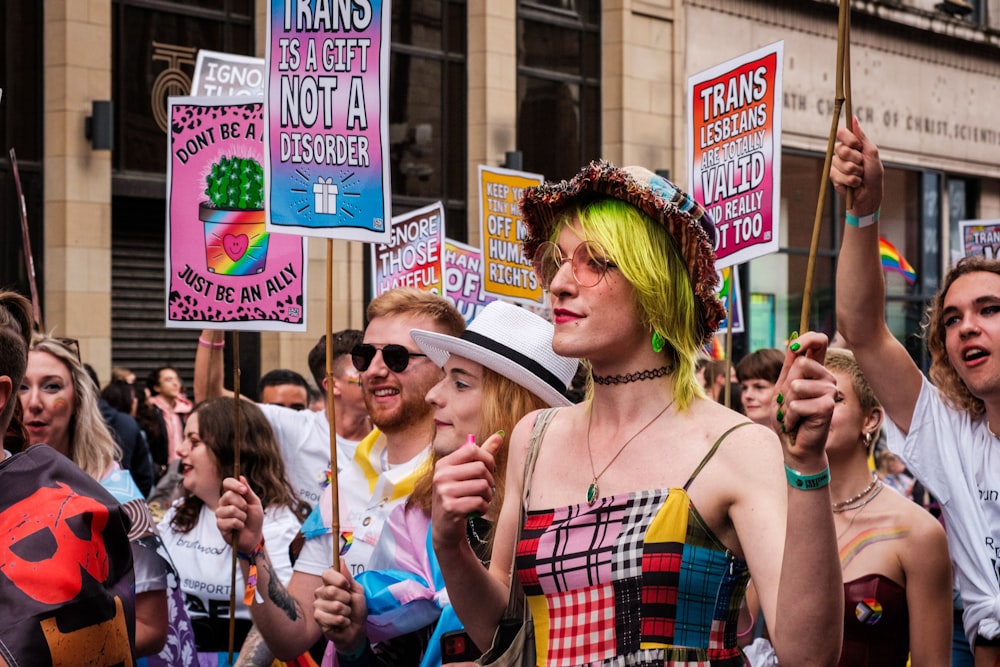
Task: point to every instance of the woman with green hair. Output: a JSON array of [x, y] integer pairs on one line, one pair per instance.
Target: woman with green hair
[[648, 505]]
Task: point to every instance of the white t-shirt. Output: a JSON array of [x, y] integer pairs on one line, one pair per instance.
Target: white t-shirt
[[304, 439], [369, 490], [958, 461], [204, 560]]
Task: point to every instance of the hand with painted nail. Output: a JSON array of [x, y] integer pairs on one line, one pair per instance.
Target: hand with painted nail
[[804, 398], [463, 486]]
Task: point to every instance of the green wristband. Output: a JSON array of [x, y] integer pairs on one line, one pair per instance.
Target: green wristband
[[863, 221], [807, 482]]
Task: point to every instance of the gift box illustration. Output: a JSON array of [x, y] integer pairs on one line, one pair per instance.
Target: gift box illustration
[[325, 192], [235, 236]]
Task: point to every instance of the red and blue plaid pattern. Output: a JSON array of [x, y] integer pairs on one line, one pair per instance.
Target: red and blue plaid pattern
[[635, 577]]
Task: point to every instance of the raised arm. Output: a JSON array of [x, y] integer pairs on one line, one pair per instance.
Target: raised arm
[[208, 366], [463, 483], [894, 377], [282, 614], [801, 592]]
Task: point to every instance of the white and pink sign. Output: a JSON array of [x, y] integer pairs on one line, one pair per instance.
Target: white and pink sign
[[224, 269], [734, 152]]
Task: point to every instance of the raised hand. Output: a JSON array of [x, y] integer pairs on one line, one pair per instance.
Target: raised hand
[[857, 166], [240, 511], [804, 399], [463, 486]]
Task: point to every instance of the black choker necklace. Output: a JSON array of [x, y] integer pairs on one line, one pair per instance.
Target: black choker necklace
[[633, 377]]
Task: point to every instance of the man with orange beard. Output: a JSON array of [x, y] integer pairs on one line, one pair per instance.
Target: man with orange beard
[[395, 378]]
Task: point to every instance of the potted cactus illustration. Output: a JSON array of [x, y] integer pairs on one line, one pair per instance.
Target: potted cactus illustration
[[235, 236]]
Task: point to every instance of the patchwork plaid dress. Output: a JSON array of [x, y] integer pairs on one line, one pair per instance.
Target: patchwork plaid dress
[[636, 579]]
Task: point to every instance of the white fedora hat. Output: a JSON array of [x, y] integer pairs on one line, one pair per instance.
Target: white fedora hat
[[512, 341]]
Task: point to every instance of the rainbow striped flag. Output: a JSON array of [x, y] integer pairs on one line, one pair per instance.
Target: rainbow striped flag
[[893, 260], [714, 348]]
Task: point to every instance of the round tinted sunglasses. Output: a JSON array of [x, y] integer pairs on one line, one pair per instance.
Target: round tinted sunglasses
[[589, 263], [395, 357]]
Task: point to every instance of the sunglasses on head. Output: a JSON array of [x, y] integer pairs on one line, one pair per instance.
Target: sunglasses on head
[[72, 345], [395, 357]]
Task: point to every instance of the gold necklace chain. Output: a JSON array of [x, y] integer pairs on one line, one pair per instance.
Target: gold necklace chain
[[593, 491]]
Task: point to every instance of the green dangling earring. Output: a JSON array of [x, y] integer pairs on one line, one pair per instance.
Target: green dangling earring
[[658, 342]]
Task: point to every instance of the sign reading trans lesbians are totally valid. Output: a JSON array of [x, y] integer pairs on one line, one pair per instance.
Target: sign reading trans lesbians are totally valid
[[734, 152], [326, 167]]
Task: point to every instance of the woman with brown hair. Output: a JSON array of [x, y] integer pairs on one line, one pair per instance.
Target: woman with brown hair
[[189, 528]]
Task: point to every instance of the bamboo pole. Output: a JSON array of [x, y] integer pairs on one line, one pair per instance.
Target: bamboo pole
[[29, 261], [331, 410], [842, 75], [236, 475]]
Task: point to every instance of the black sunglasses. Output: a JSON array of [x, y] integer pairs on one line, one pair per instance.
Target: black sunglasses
[[396, 357]]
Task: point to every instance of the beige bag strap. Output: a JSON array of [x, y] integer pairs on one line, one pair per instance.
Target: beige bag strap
[[542, 421]]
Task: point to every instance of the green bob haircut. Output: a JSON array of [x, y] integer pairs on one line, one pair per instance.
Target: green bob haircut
[[649, 259]]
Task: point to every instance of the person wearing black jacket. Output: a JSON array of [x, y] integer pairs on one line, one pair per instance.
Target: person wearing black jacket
[[135, 450]]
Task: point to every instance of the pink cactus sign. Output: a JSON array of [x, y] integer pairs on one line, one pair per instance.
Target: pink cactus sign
[[327, 158], [224, 269]]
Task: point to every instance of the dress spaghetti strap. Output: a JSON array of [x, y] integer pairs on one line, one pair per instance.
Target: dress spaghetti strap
[[711, 453]]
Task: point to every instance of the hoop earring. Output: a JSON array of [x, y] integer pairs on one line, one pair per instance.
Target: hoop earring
[[868, 440]]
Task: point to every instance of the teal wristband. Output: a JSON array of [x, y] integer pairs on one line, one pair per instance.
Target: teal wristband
[[863, 221], [807, 482]]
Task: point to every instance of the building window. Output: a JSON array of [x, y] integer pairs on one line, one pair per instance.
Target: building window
[[558, 85], [21, 129], [155, 44], [910, 215], [427, 109]]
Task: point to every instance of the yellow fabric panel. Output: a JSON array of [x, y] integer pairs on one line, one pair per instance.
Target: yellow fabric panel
[[671, 522]]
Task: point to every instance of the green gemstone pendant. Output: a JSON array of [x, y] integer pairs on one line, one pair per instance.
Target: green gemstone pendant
[[592, 493]]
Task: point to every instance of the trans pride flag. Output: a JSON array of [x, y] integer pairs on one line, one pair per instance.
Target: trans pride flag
[[893, 260]]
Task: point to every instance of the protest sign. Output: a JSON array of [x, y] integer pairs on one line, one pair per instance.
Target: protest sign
[[729, 288], [326, 138], [224, 270], [463, 280], [219, 74], [414, 255], [734, 152], [506, 273], [981, 238]]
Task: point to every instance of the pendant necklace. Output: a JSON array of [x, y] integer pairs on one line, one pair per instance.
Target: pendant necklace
[[593, 492]]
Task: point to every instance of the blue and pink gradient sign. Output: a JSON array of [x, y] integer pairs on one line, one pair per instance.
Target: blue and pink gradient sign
[[326, 138], [224, 269], [734, 152]]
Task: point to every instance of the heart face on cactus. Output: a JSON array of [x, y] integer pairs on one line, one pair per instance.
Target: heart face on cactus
[[235, 245]]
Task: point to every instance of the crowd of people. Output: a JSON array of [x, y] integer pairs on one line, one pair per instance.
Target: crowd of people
[[584, 465]]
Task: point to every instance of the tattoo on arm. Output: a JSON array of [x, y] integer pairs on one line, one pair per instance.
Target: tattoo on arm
[[279, 594], [254, 652]]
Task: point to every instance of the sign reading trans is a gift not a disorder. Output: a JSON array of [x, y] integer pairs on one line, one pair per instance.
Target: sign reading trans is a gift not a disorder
[[327, 162]]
